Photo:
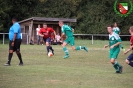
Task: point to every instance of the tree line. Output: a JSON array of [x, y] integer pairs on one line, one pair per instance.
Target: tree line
[[92, 15]]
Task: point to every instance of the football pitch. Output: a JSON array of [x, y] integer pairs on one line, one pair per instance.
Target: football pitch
[[81, 70]]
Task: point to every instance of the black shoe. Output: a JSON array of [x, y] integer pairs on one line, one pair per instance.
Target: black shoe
[[20, 64], [117, 72], [7, 64], [120, 69]]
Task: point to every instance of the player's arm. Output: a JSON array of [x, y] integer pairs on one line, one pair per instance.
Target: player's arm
[[128, 50], [55, 34], [40, 33], [105, 46], [63, 36], [118, 43]]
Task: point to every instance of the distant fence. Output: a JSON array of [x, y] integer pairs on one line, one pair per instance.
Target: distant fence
[[91, 35], [3, 39]]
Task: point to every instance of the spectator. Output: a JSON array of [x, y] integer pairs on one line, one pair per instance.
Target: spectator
[[38, 37]]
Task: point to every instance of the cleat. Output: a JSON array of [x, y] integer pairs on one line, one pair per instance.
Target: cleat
[[120, 69], [86, 49], [66, 56], [117, 72], [6, 64], [20, 64]]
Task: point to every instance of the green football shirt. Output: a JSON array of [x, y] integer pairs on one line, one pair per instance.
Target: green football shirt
[[116, 30], [113, 39], [67, 30]]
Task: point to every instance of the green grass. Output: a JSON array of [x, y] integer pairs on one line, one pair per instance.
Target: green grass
[[81, 70]]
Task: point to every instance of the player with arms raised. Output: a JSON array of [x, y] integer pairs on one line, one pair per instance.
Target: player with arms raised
[[68, 32], [114, 42], [129, 60], [45, 32]]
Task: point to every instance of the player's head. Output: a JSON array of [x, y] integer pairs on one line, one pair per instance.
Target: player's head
[[44, 25], [115, 24], [14, 19], [38, 25], [61, 23], [131, 30], [110, 28]]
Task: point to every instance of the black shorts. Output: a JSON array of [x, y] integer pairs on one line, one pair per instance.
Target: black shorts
[[130, 57], [16, 46]]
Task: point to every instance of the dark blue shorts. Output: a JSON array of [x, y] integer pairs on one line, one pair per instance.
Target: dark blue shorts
[[130, 57], [47, 40]]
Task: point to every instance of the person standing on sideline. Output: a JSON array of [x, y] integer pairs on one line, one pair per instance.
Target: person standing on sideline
[[37, 34], [45, 32], [117, 31], [129, 60], [114, 42], [15, 42], [68, 32], [58, 38]]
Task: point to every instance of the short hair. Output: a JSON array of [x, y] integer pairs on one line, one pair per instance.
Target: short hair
[[110, 26], [44, 23], [131, 28], [14, 19], [61, 22]]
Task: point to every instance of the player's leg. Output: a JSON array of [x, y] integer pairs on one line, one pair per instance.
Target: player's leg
[[11, 49], [65, 49], [72, 43], [116, 65], [48, 40], [129, 60], [17, 46]]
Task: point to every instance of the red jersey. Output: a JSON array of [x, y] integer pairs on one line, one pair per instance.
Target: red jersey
[[131, 40], [46, 32]]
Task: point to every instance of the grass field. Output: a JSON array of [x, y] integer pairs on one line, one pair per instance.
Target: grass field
[[81, 70]]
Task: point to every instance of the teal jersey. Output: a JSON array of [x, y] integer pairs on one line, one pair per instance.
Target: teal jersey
[[113, 39], [116, 30], [67, 30]]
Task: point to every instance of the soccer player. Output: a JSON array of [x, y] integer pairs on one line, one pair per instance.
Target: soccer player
[[129, 60], [45, 32], [117, 31], [114, 42], [68, 32], [15, 41]]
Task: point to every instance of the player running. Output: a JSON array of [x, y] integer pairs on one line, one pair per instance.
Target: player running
[[45, 32], [117, 31], [129, 60], [68, 32], [114, 42]]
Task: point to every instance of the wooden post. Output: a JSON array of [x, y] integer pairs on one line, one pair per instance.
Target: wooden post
[[30, 30]]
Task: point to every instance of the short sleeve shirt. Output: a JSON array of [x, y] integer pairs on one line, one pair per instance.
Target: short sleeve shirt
[[67, 30], [116, 30], [15, 28], [46, 32], [131, 40], [113, 39]]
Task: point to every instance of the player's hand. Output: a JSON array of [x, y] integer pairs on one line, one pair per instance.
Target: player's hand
[[111, 47], [12, 44], [105, 46], [125, 52]]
